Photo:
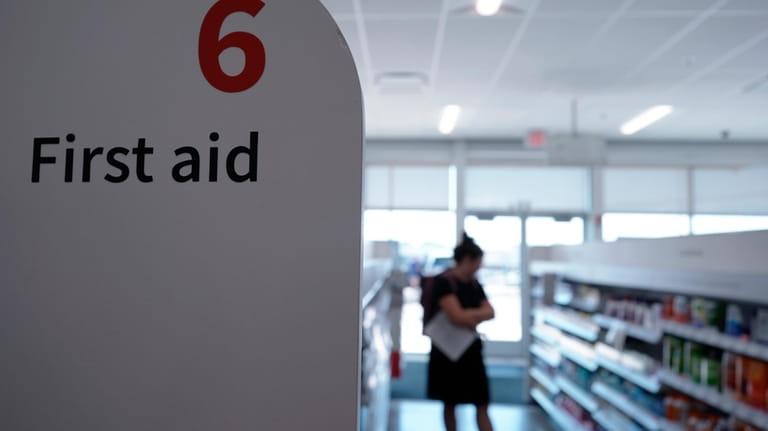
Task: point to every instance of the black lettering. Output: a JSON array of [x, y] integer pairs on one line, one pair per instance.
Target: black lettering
[[70, 156], [69, 165], [213, 163], [253, 158], [38, 159], [112, 160], [141, 151], [88, 155], [193, 163], [213, 174]]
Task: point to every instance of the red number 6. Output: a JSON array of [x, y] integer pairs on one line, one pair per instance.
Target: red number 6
[[210, 47]]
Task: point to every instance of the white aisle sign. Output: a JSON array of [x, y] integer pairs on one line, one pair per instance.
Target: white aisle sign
[[180, 201]]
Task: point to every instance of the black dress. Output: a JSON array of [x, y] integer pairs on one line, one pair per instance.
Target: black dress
[[464, 381]]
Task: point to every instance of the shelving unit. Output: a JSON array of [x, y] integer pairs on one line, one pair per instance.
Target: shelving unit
[[612, 360], [572, 324], [611, 420], [546, 334], [545, 380], [581, 396], [578, 352], [641, 333], [728, 268], [715, 339], [549, 355], [645, 418], [714, 398], [565, 421]]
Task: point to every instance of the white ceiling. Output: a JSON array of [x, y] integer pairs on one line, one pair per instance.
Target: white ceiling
[[516, 72]]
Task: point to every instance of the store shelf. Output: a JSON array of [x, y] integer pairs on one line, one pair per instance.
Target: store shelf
[[635, 331], [570, 323], [611, 420], [613, 363], [545, 380], [546, 334], [561, 418], [714, 398], [581, 396], [547, 354], [578, 352], [645, 418], [715, 339]]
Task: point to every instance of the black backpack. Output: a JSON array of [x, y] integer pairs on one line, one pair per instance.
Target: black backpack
[[427, 294]]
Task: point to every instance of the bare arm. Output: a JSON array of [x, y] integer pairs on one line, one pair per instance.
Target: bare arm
[[484, 312], [458, 315]]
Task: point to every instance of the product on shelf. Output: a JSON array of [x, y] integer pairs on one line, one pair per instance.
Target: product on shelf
[[735, 326], [673, 354], [743, 426], [756, 383], [681, 410], [681, 310], [633, 311], [692, 355], [706, 313], [760, 326], [677, 408], [637, 395], [576, 374], [574, 410], [710, 369], [700, 363], [733, 375]]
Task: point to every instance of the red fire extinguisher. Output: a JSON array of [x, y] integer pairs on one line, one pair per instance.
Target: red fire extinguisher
[[394, 363]]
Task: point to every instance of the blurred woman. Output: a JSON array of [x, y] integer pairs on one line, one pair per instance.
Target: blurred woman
[[459, 295]]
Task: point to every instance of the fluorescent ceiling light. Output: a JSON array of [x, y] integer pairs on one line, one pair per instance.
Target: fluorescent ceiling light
[[488, 7], [646, 119], [448, 119]]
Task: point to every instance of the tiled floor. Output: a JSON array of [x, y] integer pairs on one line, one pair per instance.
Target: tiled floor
[[427, 416]]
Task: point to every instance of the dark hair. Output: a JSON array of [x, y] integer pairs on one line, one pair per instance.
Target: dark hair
[[467, 249]]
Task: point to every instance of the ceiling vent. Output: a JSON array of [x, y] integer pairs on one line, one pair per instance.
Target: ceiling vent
[[402, 82]]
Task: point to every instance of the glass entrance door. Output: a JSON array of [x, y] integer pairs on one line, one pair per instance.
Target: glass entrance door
[[500, 237]]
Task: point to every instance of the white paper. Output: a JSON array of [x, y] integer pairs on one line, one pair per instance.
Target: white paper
[[451, 339]]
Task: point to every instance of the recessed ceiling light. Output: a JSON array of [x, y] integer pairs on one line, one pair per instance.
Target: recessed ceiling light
[[477, 9], [645, 119], [448, 119], [487, 7]]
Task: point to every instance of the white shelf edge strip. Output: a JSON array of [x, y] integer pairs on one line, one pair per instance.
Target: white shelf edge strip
[[544, 380], [589, 364], [716, 339], [621, 402], [578, 394], [715, 398], [634, 331], [586, 329], [551, 358], [560, 417], [604, 419], [649, 383], [542, 335]]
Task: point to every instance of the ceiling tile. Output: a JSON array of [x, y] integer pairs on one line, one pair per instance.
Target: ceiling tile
[[401, 6], [672, 5], [579, 6], [467, 63], [708, 43], [747, 5], [398, 46]]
